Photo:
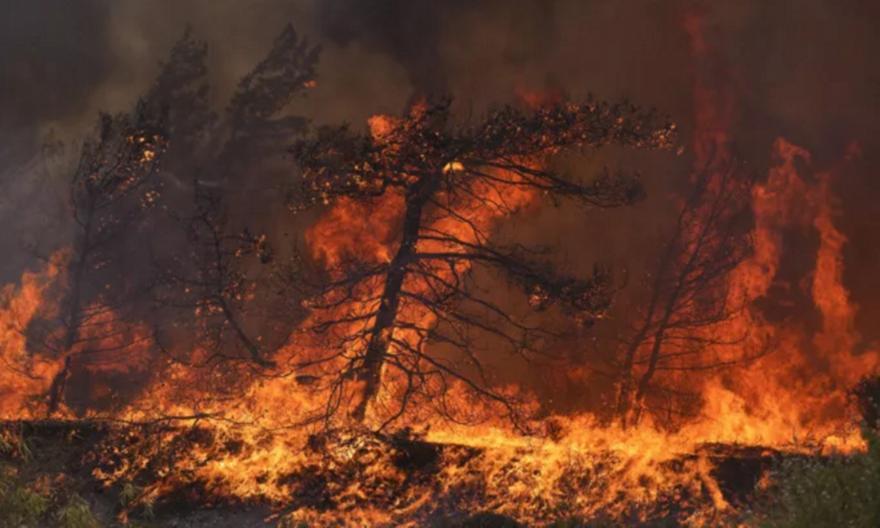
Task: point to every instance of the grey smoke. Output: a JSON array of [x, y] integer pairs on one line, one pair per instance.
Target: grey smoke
[[805, 69]]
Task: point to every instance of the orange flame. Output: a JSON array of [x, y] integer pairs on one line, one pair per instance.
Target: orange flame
[[794, 397], [26, 377]]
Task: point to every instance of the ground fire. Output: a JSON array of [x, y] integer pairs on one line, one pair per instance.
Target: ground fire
[[267, 318]]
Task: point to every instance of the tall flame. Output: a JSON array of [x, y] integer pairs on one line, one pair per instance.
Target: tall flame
[[794, 396], [26, 377]]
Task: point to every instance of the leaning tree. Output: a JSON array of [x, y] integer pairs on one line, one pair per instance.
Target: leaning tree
[[147, 176], [390, 321], [213, 291]]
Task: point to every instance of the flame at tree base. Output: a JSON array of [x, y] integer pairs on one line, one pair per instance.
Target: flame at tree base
[[794, 400]]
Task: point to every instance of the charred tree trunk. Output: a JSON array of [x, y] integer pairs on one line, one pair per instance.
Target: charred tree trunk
[[56, 390], [627, 385], [645, 381], [220, 285], [71, 335], [629, 392], [631, 401], [636, 398], [253, 350], [380, 335], [73, 322], [484, 164]]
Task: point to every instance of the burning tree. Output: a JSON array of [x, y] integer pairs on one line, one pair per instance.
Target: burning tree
[[117, 180], [210, 283], [283, 74], [211, 294], [112, 185], [689, 293], [443, 184], [111, 269]]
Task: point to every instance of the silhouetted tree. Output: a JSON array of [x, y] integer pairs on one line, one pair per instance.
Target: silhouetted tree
[[209, 287], [689, 294], [118, 179], [227, 296], [112, 185], [287, 70], [381, 316]]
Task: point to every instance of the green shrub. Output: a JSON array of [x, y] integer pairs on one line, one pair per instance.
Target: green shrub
[[131, 496], [19, 506], [836, 492], [14, 446], [76, 514]]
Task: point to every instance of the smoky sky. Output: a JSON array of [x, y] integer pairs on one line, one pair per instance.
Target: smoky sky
[[52, 54], [803, 69], [413, 32]]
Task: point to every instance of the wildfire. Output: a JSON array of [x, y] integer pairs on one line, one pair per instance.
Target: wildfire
[[272, 441], [792, 398], [761, 403], [796, 393], [26, 377]]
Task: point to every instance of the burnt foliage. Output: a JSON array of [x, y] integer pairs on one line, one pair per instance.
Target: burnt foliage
[[162, 246], [387, 319]]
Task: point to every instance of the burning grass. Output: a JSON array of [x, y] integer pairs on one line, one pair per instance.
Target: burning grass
[[89, 473], [361, 478]]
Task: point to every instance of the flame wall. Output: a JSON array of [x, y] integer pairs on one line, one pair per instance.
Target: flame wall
[[740, 75]]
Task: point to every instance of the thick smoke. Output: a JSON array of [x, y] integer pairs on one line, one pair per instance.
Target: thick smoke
[[800, 69], [53, 54]]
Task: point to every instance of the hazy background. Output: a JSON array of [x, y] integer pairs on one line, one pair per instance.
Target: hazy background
[[803, 69]]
